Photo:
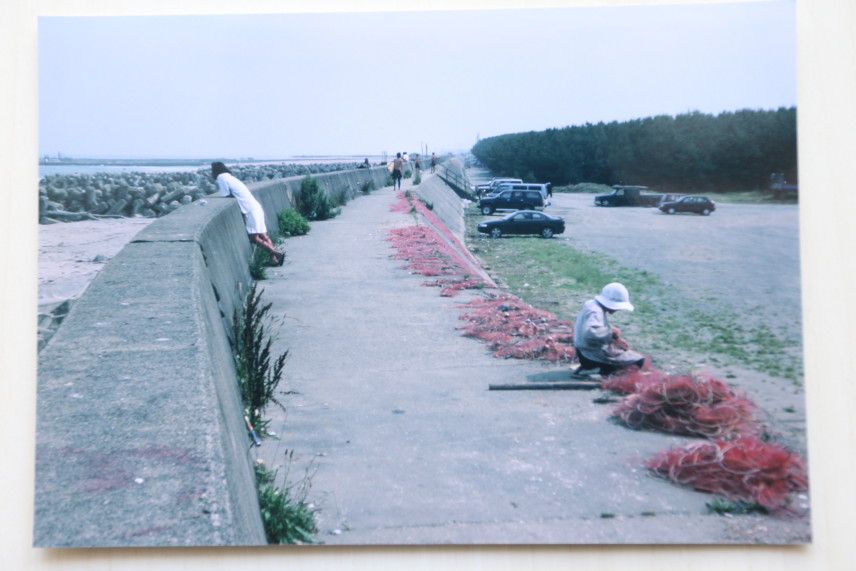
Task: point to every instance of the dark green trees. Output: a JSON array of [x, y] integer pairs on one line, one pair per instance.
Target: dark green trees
[[735, 150]]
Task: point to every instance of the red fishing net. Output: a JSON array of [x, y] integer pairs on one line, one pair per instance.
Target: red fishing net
[[692, 405], [432, 250], [514, 329], [746, 469], [633, 380]]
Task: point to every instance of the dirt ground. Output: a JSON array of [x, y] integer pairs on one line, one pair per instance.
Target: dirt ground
[[743, 258], [72, 253]]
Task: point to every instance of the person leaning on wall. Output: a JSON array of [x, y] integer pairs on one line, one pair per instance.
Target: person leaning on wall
[[254, 216]]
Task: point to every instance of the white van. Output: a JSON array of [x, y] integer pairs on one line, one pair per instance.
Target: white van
[[489, 187], [542, 187]]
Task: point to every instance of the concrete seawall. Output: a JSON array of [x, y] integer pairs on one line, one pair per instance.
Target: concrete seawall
[[140, 434]]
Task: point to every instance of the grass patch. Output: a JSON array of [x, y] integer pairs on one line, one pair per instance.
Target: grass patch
[[286, 516], [291, 223], [260, 259], [746, 197], [555, 276], [584, 187]]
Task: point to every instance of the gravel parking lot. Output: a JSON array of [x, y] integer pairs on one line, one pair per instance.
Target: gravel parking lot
[[743, 257], [742, 261]]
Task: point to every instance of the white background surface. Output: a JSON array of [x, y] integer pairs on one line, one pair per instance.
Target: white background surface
[[827, 121]]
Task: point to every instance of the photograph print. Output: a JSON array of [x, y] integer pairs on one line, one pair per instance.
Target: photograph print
[[465, 277]]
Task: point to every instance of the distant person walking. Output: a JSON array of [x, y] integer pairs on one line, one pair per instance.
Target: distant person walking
[[397, 168], [254, 216], [433, 162]]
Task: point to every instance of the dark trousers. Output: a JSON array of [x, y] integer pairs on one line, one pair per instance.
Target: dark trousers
[[605, 369]]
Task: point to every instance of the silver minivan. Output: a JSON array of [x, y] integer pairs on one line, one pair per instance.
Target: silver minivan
[[490, 187], [542, 187]]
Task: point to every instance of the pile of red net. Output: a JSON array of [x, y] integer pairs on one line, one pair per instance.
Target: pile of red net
[[428, 252], [424, 252], [514, 329], [691, 405], [735, 463], [633, 380], [746, 469]]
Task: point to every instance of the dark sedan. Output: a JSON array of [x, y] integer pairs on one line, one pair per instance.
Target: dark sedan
[[698, 204], [524, 222]]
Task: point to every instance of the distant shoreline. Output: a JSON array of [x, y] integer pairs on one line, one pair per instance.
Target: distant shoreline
[[89, 166], [204, 162]]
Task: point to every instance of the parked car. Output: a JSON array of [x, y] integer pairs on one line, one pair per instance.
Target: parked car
[[628, 196], [512, 200], [524, 222], [542, 187], [488, 187], [698, 204], [670, 197]]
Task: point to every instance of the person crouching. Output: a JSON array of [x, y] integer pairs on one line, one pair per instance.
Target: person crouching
[[599, 346]]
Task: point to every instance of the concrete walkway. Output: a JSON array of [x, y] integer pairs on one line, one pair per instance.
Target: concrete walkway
[[392, 416]]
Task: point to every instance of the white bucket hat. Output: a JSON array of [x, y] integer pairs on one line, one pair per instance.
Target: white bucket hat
[[615, 297]]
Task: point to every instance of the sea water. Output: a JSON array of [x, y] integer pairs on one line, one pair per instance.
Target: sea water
[[46, 170]]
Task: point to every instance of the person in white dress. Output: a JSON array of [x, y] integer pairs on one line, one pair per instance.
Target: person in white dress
[[254, 216]]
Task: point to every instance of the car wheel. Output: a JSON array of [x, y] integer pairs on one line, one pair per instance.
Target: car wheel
[[671, 211], [705, 212], [547, 233], [495, 233], [487, 210]]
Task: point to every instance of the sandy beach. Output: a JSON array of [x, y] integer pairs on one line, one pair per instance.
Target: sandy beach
[[72, 253]]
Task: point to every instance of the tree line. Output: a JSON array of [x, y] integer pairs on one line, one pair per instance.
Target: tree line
[[731, 151]]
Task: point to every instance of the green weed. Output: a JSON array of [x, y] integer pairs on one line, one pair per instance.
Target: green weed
[[286, 516], [291, 223], [721, 507], [259, 260], [313, 203], [258, 377]]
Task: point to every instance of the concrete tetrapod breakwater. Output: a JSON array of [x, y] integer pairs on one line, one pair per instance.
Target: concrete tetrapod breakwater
[[140, 434]]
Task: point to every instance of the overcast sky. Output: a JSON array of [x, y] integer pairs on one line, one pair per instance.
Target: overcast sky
[[275, 86]]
